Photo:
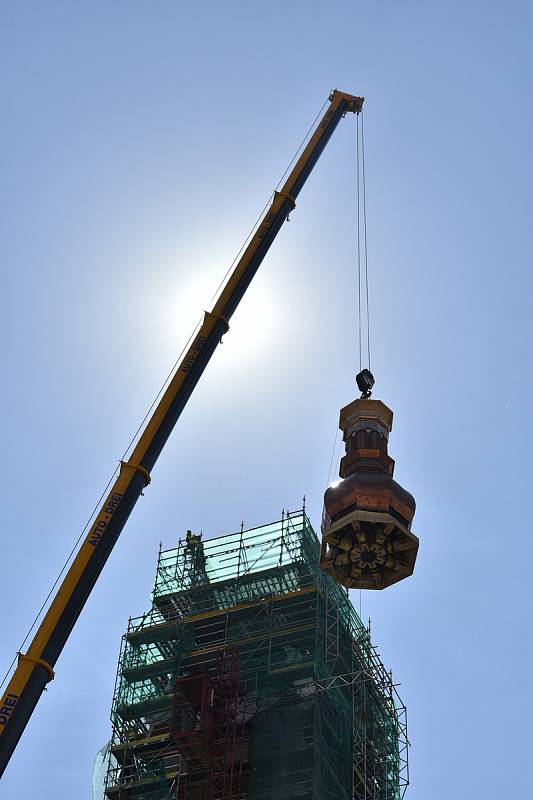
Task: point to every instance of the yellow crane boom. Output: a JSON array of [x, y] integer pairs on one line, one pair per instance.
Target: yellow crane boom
[[36, 667]]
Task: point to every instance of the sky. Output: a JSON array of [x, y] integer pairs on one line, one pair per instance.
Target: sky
[[138, 143]]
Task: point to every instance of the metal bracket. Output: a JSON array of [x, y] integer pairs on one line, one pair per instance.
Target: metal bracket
[[137, 467], [355, 104], [41, 662], [287, 196], [218, 316]]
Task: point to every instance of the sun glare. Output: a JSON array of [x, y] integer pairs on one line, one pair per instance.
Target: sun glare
[[254, 327]]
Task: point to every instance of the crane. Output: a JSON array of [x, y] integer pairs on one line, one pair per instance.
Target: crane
[[35, 668]]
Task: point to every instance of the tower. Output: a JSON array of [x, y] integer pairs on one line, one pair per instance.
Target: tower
[[252, 676]]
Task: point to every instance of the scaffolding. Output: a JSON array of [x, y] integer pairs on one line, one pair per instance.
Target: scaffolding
[[252, 676]]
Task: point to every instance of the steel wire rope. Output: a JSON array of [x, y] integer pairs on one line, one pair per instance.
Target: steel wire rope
[[293, 159], [334, 448], [361, 202], [362, 239], [365, 237], [250, 234], [256, 223], [158, 395], [358, 194]]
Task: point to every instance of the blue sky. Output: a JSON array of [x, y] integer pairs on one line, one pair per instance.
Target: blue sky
[[139, 141]]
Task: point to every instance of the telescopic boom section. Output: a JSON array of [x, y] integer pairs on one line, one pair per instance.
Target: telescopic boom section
[[36, 667]]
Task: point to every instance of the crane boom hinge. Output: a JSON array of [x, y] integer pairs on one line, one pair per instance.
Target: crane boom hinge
[[40, 661], [137, 467]]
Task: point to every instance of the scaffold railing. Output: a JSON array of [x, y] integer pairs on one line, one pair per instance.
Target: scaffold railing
[[305, 664]]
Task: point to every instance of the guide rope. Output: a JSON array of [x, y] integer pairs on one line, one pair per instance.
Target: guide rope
[[333, 451]]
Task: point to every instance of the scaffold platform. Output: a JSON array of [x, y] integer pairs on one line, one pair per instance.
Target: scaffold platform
[[252, 676]]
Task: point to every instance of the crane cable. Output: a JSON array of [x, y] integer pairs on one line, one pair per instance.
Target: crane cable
[[362, 284], [362, 258], [269, 201], [362, 264]]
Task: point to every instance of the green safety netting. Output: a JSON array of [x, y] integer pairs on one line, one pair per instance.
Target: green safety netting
[[323, 717]]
